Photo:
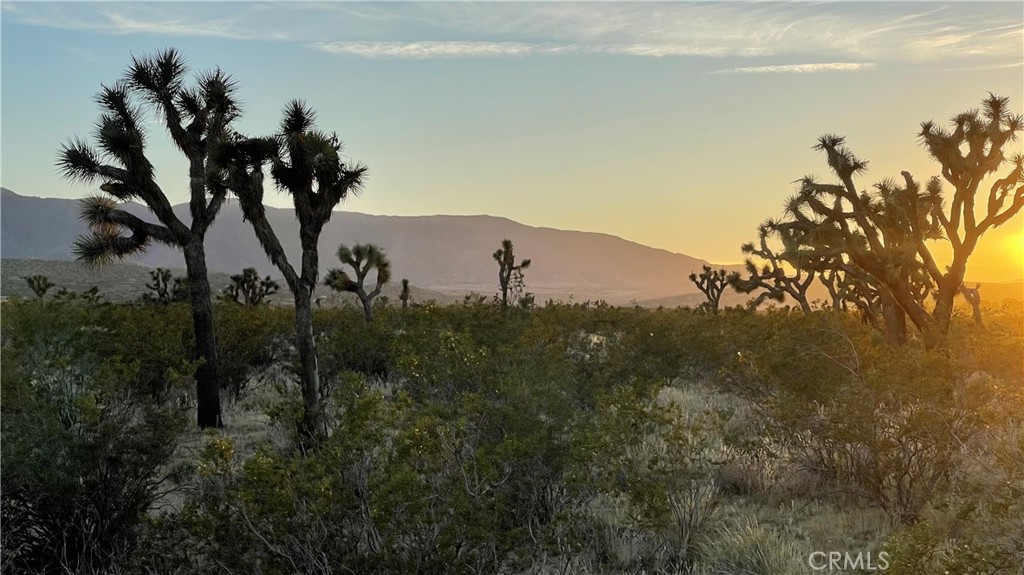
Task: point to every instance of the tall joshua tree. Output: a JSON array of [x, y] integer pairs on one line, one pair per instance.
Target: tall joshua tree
[[774, 280], [887, 234], [362, 258], [711, 283], [196, 117], [510, 275], [307, 165]]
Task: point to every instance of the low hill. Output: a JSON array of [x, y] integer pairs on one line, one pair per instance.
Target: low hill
[[127, 282]]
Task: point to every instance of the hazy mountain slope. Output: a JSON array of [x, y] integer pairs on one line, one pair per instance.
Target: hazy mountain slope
[[445, 253], [39, 228]]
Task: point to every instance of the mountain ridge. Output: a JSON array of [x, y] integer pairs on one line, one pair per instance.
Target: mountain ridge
[[447, 253]]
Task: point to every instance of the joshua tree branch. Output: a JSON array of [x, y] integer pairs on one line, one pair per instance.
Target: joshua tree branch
[[96, 212]]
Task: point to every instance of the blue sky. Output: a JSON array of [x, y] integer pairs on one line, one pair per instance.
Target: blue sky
[[680, 125]]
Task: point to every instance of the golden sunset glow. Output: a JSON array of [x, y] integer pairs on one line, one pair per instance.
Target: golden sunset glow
[[1015, 249]]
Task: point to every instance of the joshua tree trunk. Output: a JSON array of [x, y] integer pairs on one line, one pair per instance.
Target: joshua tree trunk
[[312, 422], [895, 321], [367, 308], [804, 306], [950, 285], [207, 391], [973, 297]]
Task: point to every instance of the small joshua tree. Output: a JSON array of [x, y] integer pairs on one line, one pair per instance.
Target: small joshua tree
[[711, 283], [248, 289], [774, 279], [510, 275], [405, 296], [39, 284], [90, 296], [362, 258], [165, 288]]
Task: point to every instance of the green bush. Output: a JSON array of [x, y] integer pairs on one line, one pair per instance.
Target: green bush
[[82, 454]]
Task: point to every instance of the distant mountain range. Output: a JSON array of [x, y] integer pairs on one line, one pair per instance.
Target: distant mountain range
[[447, 254]]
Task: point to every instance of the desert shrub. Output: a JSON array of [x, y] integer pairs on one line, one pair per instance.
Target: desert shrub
[[454, 470], [82, 452], [748, 549], [976, 527], [349, 343], [249, 341], [648, 458], [887, 423]]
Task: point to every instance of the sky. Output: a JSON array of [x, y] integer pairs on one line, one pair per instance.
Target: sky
[[679, 125]]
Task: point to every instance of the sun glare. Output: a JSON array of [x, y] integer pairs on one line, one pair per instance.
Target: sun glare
[[1016, 249]]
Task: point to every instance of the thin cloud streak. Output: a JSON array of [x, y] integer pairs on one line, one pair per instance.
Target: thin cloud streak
[[457, 49], [426, 50], [801, 68]]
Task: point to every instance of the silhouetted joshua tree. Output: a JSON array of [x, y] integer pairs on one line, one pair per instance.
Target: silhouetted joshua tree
[[307, 165], [711, 283], [510, 276], [888, 234], [165, 289], [90, 296], [39, 284], [248, 289], [773, 278], [196, 117], [362, 258], [405, 295]]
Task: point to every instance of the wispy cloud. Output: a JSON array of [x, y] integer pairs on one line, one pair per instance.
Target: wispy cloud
[[425, 50], [215, 28], [801, 68], [444, 49], [148, 18], [78, 52], [875, 32]]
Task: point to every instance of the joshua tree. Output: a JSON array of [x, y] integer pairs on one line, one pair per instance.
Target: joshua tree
[[307, 165], [89, 296], [711, 283], [773, 279], [405, 296], [165, 289], [510, 275], [362, 258], [196, 117], [248, 289], [39, 284], [887, 234]]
